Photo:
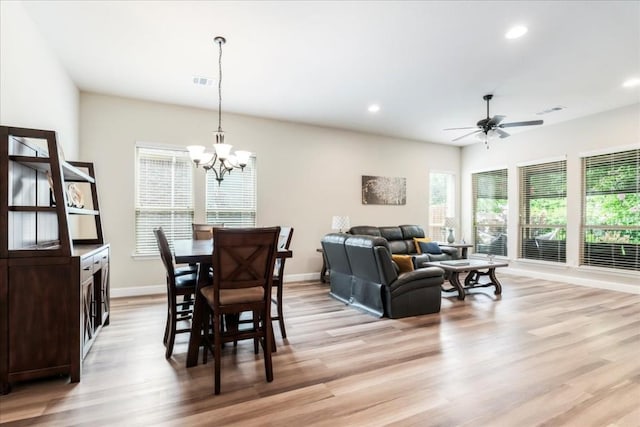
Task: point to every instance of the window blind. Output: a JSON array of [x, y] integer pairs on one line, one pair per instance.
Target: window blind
[[543, 211], [164, 196], [441, 203], [233, 202], [490, 209], [611, 210]]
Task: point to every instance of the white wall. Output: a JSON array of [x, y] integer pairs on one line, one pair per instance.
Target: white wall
[[35, 91], [617, 128], [306, 174]]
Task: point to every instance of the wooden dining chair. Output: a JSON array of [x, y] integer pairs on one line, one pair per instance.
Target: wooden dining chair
[[243, 263], [284, 240], [177, 286], [204, 231]]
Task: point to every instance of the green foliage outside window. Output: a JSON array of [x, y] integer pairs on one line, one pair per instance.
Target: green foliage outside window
[[613, 199]]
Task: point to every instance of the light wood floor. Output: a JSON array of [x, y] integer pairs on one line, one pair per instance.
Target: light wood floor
[[544, 353]]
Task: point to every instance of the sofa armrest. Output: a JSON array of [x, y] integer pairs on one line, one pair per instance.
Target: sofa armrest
[[417, 275], [419, 260], [417, 279], [452, 252]]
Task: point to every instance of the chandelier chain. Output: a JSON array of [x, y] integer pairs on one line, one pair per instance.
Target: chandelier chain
[[220, 87]]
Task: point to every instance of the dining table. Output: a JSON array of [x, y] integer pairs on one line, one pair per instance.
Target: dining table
[[200, 252]]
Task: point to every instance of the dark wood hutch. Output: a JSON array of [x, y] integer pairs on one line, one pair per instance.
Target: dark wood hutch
[[54, 263]]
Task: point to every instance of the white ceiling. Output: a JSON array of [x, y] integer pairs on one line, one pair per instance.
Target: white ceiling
[[427, 64]]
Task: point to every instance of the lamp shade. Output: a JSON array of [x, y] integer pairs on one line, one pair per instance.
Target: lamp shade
[[243, 157], [340, 222], [222, 150], [196, 152]]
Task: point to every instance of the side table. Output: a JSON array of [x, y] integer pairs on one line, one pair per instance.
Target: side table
[[324, 276], [462, 246]]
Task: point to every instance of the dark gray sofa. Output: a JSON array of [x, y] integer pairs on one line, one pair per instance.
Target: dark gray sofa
[[400, 240], [363, 275]]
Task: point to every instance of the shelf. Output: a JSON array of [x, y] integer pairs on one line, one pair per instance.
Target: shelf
[[32, 209], [43, 164], [78, 211], [46, 246]]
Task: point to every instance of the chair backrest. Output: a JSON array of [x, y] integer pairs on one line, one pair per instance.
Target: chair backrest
[[284, 241], [165, 252], [244, 258], [204, 231]]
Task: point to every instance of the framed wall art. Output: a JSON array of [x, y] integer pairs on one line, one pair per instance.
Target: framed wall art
[[382, 190]]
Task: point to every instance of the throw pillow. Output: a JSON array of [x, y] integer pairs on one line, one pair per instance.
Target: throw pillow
[[404, 262], [418, 240], [430, 248]]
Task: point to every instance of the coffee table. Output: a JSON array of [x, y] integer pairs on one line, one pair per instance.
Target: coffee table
[[474, 267]]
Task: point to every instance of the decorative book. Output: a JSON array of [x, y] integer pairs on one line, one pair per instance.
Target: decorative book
[[455, 263]]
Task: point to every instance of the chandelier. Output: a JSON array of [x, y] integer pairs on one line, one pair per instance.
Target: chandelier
[[221, 161]]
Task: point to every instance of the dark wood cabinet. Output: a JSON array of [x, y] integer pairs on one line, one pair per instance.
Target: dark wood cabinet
[[54, 263]]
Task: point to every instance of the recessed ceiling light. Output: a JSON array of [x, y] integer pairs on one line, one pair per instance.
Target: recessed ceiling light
[[516, 32], [373, 108], [631, 82]]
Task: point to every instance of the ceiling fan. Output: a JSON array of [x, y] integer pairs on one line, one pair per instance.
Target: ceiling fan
[[493, 125]]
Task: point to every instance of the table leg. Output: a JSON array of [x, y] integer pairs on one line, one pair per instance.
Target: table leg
[[454, 279], [494, 280], [323, 272], [198, 317]]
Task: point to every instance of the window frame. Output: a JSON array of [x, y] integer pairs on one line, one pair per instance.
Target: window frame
[[247, 209], [610, 246], [539, 238], [436, 229], [494, 244], [147, 247]]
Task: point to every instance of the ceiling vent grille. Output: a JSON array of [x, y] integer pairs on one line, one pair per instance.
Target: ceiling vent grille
[[202, 81]]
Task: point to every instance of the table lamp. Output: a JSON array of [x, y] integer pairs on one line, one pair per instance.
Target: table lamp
[[340, 222]]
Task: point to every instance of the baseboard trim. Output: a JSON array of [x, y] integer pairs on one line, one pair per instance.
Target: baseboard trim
[[599, 284], [136, 291], [139, 291]]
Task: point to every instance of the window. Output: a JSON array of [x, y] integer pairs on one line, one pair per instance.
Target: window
[[441, 203], [233, 202], [543, 211], [164, 188], [611, 210], [490, 212]]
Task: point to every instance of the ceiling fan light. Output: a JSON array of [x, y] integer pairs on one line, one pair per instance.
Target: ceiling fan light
[[487, 136], [516, 32]]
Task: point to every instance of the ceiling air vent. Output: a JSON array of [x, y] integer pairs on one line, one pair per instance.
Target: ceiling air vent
[[551, 110], [202, 81]]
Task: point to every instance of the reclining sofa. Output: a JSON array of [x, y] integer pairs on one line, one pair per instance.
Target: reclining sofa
[[401, 242], [364, 276]]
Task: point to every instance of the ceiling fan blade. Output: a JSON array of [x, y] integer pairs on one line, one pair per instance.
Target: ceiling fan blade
[[469, 127], [502, 133], [514, 124], [464, 136], [495, 120]]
